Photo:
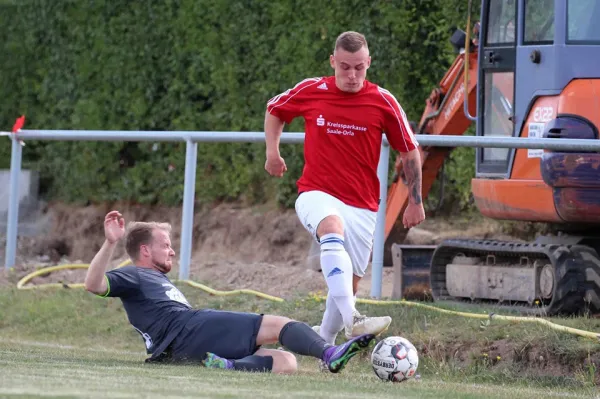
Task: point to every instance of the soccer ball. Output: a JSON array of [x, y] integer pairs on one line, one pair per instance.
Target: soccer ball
[[394, 359]]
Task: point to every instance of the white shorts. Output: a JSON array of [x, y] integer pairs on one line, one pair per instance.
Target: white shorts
[[359, 224]]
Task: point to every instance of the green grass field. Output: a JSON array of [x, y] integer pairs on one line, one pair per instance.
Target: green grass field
[[68, 343]]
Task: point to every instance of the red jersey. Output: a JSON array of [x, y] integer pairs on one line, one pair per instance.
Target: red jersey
[[343, 135]]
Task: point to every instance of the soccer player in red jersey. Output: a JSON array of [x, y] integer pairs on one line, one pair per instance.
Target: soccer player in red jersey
[[345, 118]]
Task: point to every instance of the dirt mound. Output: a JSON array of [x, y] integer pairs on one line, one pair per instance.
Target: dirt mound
[[533, 359], [233, 248], [225, 237], [249, 235], [283, 280], [254, 233], [261, 248]]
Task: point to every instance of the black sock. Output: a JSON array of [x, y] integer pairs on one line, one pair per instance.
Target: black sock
[[254, 363], [301, 339]]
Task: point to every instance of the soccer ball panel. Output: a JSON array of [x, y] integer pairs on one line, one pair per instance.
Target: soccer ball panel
[[399, 351], [394, 359]]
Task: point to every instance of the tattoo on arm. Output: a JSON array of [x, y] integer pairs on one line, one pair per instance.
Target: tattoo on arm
[[412, 171]]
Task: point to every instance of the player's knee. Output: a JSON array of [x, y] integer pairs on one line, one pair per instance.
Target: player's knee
[[278, 321], [331, 225], [270, 328], [285, 363]]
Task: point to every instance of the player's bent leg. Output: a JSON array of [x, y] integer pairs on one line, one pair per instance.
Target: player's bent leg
[[303, 340], [322, 215], [332, 224], [270, 328], [283, 362], [331, 325], [230, 335], [359, 243], [337, 270], [332, 322]]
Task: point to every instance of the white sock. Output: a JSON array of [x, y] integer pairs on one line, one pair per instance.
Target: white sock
[[337, 270], [332, 322], [347, 309]]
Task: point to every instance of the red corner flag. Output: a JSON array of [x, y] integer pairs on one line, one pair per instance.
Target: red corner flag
[[18, 124]]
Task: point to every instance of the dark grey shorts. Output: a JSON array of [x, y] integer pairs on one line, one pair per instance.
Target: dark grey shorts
[[231, 335]]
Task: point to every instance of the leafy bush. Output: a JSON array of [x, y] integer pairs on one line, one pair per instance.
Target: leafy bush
[[193, 65]]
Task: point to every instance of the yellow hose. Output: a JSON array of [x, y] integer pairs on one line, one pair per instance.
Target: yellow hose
[[234, 292], [588, 334], [21, 284]]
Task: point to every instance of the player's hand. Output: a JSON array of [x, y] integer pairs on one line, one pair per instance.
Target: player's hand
[[114, 226], [413, 215], [275, 165]]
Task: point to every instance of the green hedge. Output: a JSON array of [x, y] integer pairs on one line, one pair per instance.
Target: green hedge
[[193, 65]]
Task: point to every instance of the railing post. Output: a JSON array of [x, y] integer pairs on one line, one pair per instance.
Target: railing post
[[187, 218], [13, 203], [379, 239]]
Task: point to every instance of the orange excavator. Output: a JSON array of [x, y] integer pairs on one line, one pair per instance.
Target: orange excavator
[[530, 70]]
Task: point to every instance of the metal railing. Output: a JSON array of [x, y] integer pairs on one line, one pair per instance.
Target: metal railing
[[192, 138]]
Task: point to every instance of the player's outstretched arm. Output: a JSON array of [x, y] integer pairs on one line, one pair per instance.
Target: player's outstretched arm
[[114, 230], [275, 164], [415, 213]]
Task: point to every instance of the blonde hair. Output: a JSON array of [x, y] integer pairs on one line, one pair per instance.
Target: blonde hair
[[351, 41], [140, 233]]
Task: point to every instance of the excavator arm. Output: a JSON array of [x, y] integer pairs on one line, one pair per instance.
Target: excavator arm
[[443, 114]]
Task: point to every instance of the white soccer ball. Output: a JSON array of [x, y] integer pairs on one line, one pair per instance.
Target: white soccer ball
[[395, 359]]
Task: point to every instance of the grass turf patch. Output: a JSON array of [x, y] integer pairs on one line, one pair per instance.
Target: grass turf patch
[[73, 330]]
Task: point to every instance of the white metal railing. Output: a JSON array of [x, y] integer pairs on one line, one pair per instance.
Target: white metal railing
[[192, 138]]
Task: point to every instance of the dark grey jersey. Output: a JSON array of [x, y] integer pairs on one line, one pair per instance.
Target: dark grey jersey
[[154, 306]]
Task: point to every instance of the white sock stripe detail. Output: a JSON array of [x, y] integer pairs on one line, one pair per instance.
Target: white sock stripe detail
[[332, 235], [403, 123], [332, 246], [332, 242], [332, 239]]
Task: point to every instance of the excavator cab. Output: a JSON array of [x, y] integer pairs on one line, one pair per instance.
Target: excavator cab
[[532, 71], [539, 77]]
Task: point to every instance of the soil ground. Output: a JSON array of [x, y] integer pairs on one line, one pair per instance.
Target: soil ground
[[234, 247]]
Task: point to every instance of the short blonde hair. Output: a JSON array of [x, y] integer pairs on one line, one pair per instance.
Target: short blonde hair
[[140, 233], [351, 41]]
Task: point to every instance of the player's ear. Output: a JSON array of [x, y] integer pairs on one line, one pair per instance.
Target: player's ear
[[144, 250], [332, 61], [369, 62]]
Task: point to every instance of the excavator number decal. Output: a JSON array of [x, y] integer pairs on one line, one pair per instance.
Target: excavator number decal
[[541, 115]]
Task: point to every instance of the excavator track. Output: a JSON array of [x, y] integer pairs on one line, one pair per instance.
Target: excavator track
[[531, 278]]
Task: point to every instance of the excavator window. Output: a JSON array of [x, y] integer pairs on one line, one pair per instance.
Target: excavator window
[[501, 25], [497, 79], [499, 98], [582, 22], [539, 22]]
